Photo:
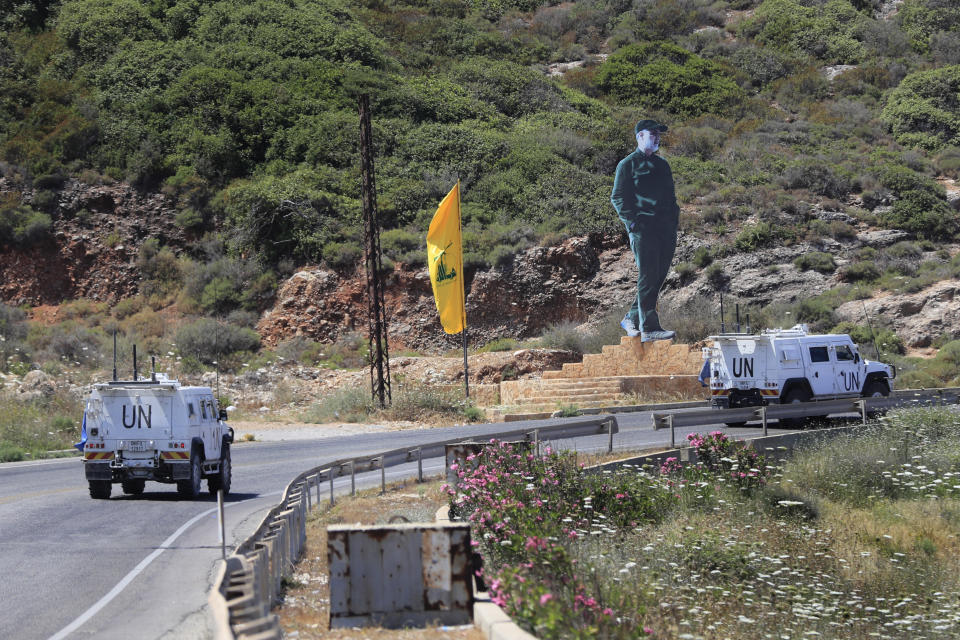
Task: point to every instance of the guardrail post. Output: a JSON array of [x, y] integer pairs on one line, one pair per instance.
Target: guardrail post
[[420, 464], [673, 434], [763, 417], [330, 472], [536, 442], [383, 477], [862, 402], [353, 478], [610, 435], [309, 500]]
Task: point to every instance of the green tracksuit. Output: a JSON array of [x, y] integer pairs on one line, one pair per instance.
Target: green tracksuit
[[645, 199]]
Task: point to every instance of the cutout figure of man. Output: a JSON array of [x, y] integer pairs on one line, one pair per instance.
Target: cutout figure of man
[[646, 202]]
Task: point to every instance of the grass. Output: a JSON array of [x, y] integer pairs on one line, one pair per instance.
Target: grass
[[411, 402], [36, 428], [858, 537]]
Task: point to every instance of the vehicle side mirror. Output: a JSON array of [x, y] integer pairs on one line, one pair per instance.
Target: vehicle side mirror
[[223, 414], [856, 358]]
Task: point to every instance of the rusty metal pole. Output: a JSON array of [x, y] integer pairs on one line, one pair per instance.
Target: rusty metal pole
[[376, 316]]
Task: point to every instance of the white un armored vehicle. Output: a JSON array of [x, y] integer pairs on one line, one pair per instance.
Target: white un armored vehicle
[[789, 365], [155, 429]]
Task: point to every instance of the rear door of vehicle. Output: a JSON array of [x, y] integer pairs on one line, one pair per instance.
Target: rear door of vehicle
[[137, 414]]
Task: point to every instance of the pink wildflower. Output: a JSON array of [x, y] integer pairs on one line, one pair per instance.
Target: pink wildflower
[[545, 598]]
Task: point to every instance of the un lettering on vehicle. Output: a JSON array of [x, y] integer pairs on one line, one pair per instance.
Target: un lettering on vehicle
[[851, 380], [741, 367], [138, 417]]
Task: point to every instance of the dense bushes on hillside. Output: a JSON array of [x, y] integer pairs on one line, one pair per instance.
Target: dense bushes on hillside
[[245, 113]]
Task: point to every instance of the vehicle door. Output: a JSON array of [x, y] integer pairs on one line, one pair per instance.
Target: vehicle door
[[848, 374], [819, 367]]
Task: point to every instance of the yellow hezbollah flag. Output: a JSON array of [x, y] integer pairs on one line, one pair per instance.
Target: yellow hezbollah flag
[[445, 260]]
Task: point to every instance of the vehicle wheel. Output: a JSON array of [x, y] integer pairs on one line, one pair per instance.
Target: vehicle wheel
[[133, 487], [795, 396], [223, 479], [190, 487], [876, 389], [100, 489]]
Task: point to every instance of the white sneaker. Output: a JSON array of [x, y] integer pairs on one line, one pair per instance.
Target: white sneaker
[[629, 327], [663, 334]]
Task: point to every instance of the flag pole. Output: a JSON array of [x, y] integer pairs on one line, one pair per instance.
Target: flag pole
[[463, 302]]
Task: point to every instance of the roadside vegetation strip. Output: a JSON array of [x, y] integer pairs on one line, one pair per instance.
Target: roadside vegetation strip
[[857, 536]]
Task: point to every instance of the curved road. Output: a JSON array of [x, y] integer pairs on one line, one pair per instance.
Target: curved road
[[141, 567]]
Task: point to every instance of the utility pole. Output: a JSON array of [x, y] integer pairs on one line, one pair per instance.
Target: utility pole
[[376, 314]]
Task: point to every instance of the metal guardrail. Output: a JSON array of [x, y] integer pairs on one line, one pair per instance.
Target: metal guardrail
[[249, 581], [864, 406]]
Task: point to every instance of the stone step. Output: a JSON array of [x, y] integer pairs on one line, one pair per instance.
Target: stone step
[[581, 383], [571, 397]]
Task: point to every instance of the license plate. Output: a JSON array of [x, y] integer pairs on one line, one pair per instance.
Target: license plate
[[137, 445]]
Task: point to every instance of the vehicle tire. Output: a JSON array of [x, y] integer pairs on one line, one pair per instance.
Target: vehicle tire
[[223, 479], [795, 396], [100, 489], [133, 487], [190, 487], [876, 389]]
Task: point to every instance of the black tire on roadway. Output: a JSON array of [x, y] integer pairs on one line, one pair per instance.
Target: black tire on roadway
[[190, 487], [795, 396], [133, 487], [223, 479], [876, 389], [100, 489]]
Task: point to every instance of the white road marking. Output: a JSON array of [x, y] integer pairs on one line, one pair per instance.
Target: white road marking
[[137, 570]]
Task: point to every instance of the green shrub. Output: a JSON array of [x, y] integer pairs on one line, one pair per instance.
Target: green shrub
[[160, 270], [207, 340], [860, 272], [664, 76], [816, 261], [343, 255], [685, 271], [499, 344], [21, 225], [826, 32], [716, 276], [818, 176], [947, 162], [921, 112], [817, 312], [702, 257], [753, 237], [903, 249], [924, 214]]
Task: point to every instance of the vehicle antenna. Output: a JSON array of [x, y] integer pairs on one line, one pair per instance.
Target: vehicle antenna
[[114, 355], [873, 336], [216, 348], [723, 328], [738, 317], [153, 368], [748, 323], [134, 363]]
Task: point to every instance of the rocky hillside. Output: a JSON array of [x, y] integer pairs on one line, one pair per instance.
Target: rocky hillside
[[99, 229]]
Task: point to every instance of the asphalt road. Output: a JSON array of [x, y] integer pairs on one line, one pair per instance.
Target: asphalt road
[[141, 567]]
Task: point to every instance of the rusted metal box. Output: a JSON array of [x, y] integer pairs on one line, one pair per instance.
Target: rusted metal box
[[404, 575]]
